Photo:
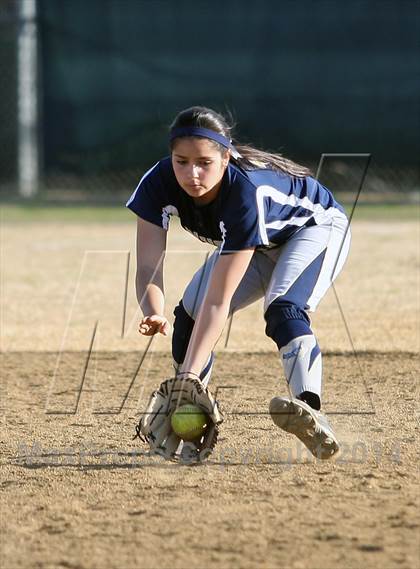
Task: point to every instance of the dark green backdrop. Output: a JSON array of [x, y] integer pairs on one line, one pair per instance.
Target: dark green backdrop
[[305, 76]]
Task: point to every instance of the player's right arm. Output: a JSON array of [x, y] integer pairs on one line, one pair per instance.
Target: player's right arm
[[151, 247]]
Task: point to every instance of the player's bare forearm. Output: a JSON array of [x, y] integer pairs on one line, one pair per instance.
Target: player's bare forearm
[[207, 330], [151, 300], [227, 274], [150, 293], [151, 247]]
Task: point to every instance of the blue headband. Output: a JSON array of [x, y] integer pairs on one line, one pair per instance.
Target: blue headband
[[206, 133]]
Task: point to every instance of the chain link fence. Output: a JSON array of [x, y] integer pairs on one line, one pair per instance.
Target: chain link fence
[[104, 99]]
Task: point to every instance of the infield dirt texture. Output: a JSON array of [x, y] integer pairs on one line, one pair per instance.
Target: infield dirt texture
[[79, 493]]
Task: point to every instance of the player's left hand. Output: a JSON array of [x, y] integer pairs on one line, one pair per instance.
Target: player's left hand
[[154, 324], [155, 424]]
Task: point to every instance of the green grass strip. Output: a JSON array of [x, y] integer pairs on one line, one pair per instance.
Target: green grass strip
[[114, 214]]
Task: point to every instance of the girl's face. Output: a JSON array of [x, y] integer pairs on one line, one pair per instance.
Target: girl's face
[[199, 167]]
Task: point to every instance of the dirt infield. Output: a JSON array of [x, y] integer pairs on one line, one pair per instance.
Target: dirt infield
[[79, 493], [58, 280]]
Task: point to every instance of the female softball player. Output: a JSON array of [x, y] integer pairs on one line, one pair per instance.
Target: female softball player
[[280, 235]]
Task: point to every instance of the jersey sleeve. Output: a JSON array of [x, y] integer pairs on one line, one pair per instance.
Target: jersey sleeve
[[148, 199], [240, 226]]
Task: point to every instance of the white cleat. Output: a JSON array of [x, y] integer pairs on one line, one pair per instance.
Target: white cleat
[[310, 426]]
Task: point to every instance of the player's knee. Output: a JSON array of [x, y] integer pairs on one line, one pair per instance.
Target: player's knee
[[183, 326], [286, 321]]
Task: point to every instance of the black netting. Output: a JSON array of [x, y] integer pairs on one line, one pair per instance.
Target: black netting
[[301, 77], [8, 98]]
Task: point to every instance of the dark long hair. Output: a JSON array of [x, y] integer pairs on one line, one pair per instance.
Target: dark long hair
[[251, 157]]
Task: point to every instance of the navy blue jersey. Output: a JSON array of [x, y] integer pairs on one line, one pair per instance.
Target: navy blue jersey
[[254, 208]]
